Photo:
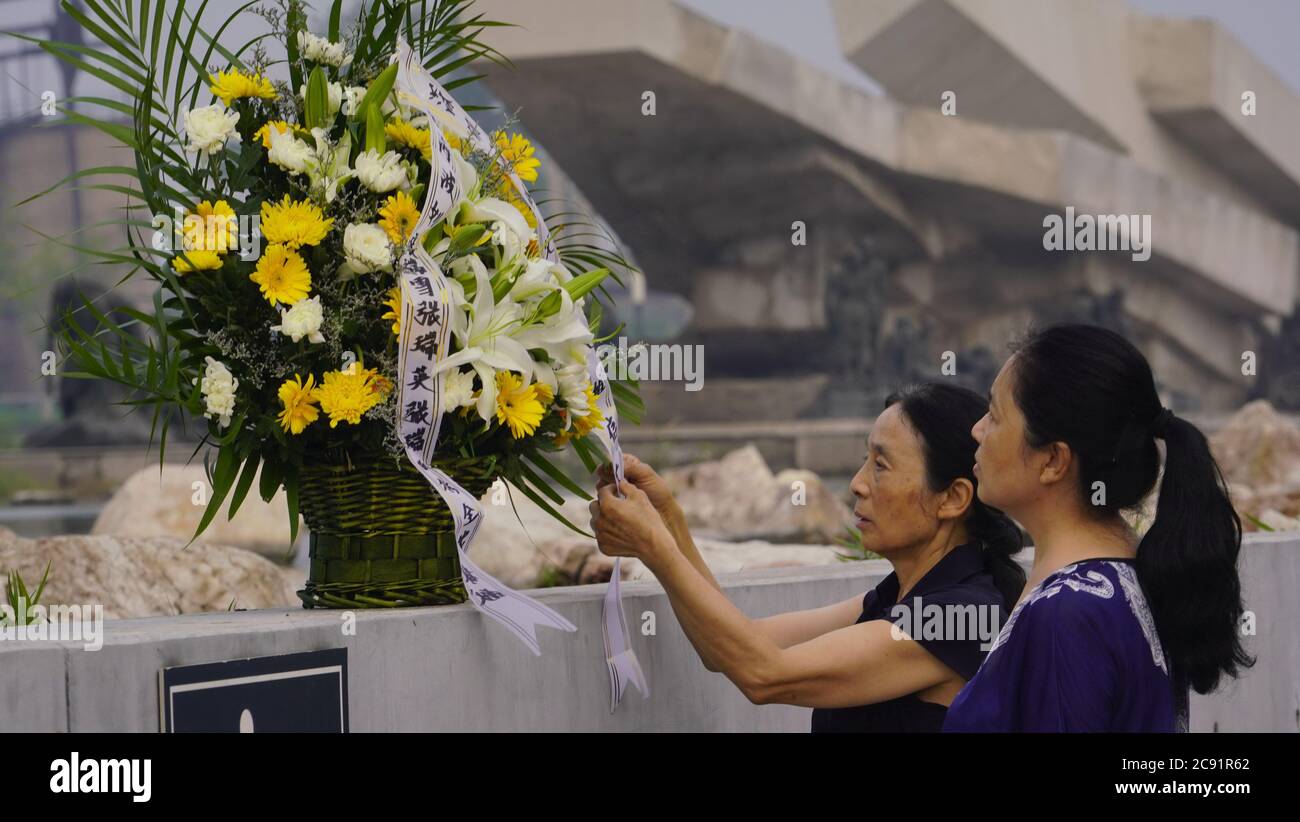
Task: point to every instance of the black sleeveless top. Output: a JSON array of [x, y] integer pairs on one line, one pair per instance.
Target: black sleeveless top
[[961, 643]]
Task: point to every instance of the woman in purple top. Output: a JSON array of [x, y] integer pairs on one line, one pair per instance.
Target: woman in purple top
[[1112, 629]]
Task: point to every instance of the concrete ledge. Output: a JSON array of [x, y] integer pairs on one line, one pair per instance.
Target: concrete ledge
[[449, 669]]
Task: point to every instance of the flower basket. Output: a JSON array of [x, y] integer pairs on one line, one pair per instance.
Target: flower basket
[[344, 262], [381, 537]]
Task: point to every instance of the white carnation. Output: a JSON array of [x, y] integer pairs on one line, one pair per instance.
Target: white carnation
[[366, 248], [209, 128], [290, 153], [381, 172], [457, 390], [302, 319], [218, 389]]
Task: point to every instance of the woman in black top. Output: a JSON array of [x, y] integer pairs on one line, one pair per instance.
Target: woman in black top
[[894, 659]]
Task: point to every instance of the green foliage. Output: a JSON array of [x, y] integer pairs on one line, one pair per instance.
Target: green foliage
[[851, 542], [16, 594]]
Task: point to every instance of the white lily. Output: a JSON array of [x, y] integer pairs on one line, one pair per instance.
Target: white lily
[[539, 278], [483, 330], [560, 333], [491, 210]]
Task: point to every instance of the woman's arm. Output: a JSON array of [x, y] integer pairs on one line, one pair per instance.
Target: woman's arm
[[784, 629], [852, 665], [794, 627]]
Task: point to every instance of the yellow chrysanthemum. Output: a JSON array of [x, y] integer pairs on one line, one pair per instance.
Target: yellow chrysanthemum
[[282, 274], [294, 223], [234, 84], [517, 405], [394, 313], [403, 133], [544, 393], [585, 425], [518, 154], [198, 260], [264, 133], [211, 228], [399, 216], [299, 402], [346, 395]]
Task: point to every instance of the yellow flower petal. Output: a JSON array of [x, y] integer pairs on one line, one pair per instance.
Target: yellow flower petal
[[282, 275]]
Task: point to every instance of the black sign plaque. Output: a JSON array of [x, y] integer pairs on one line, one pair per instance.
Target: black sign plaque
[[290, 693]]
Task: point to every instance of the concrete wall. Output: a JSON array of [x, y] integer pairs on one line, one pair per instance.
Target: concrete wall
[[450, 669]]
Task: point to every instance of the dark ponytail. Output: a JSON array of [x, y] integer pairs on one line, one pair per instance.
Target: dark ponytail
[[1093, 390], [942, 415]]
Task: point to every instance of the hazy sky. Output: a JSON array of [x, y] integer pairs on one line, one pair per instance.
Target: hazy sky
[[806, 27]]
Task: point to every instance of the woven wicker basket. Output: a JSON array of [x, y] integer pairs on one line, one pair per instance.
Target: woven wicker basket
[[381, 537]]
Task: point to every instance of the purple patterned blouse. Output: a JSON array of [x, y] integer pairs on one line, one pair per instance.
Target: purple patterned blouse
[[1079, 653]]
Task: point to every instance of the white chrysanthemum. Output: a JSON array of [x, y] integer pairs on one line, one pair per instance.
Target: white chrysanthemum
[[573, 388], [457, 390], [218, 389], [209, 128], [320, 50], [290, 153], [366, 248], [302, 319], [381, 172]]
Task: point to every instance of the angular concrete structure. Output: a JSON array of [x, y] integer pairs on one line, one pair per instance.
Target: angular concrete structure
[[746, 139], [1200, 84]]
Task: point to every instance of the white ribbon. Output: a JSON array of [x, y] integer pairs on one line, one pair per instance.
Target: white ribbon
[[425, 336], [619, 656]]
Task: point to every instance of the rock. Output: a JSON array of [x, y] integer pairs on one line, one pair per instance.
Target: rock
[[146, 576], [1258, 447], [739, 498], [1258, 451], [152, 505]]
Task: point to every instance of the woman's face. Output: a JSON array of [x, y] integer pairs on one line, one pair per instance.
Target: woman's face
[[1008, 477], [895, 508]]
